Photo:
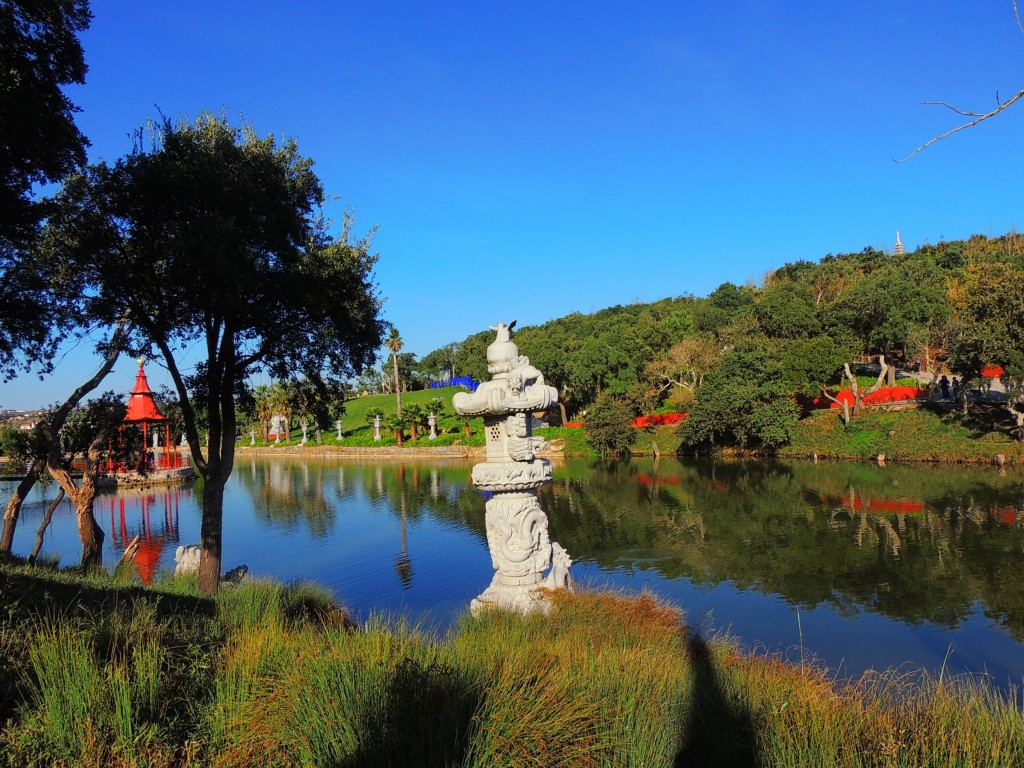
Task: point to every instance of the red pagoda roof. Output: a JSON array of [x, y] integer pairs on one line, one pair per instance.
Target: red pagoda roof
[[141, 405]]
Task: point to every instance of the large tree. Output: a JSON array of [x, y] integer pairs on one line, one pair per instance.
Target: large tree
[[987, 326], [209, 236], [39, 144]]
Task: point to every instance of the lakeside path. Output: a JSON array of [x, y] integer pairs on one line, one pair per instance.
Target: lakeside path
[[384, 452]]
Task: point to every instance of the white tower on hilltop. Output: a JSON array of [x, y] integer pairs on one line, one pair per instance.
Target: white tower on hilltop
[[899, 250]]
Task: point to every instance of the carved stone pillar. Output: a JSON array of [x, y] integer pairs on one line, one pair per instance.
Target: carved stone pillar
[[525, 559]]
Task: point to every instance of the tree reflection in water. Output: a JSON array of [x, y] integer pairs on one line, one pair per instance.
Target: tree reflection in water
[[914, 543], [930, 548]]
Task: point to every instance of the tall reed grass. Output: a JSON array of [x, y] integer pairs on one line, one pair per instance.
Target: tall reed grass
[[275, 675]]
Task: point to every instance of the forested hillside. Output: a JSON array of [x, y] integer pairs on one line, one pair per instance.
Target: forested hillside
[[736, 358]]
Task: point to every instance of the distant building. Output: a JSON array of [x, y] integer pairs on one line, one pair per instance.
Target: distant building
[[899, 250]]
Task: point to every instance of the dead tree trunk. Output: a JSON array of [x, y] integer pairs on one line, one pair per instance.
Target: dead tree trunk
[[843, 405], [44, 525], [1018, 416], [89, 531], [858, 400], [882, 374], [13, 510]]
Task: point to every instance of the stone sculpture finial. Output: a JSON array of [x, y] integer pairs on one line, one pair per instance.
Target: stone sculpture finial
[[502, 352], [503, 331]]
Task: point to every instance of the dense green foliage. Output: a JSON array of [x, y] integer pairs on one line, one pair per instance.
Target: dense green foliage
[[585, 355], [39, 56], [747, 348], [608, 425], [744, 402]]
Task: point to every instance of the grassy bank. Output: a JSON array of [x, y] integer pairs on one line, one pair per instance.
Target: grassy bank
[[101, 674], [914, 434]]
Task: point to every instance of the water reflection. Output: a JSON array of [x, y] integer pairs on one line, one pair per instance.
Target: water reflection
[[886, 564], [917, 544], [150, 515]]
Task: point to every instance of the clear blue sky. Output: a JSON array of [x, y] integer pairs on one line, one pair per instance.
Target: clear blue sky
[[525, 160]]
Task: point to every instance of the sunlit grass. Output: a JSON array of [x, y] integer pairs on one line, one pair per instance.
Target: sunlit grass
[[276, 675]]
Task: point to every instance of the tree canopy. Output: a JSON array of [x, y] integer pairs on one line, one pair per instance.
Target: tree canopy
[[210, 237], [39, 144]]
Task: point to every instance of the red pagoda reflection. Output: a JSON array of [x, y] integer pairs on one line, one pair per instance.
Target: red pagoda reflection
[[154, 519]]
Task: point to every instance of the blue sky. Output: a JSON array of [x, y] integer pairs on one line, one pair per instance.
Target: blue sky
[[527, 160]]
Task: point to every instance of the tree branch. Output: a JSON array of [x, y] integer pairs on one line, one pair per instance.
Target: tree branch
[[979, 117], [188, 412]]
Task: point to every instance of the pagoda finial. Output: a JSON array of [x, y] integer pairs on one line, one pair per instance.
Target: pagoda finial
[[899, 250]]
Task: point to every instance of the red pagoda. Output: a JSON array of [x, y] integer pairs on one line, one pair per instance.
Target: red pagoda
[[158, 463]]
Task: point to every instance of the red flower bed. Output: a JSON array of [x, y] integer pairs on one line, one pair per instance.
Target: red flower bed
[[886, 395], [992, 371], [573, 424], [660, 420]]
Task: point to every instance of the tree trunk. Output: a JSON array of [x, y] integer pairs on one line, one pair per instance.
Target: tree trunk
[[398, 385], [399, 437], [13, 510], [211, 536], [858, 401], [44, 525], [1018, 416], [89, 531], [882, 373], [844, 406], [50, 432]]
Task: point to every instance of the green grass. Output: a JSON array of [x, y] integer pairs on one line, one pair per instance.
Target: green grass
[[913, 434], [273, 675], [358, 427], [358, 424]]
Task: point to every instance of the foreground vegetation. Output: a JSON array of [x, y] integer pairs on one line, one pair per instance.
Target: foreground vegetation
[[101, 673]]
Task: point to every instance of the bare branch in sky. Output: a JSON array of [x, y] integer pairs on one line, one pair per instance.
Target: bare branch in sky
[[979, 116]]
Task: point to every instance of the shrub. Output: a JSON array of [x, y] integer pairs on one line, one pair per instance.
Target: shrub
[[609, 425]]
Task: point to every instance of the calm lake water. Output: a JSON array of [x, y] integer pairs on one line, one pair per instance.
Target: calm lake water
[[862, 566]]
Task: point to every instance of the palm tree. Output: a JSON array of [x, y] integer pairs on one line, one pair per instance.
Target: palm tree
[[394, 343], [263, 395]]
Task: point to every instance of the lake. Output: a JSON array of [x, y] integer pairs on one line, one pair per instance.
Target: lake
[[858, 565]]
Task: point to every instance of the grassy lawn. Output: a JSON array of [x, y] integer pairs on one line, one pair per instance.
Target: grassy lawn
[[358, 424], [923, 434]]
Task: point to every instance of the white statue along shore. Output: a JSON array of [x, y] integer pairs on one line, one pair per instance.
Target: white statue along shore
[[526, 561]]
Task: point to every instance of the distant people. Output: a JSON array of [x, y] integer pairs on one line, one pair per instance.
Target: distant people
[[944, 385], [956, 388]]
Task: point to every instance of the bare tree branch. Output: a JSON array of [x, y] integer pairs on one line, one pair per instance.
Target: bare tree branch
[[979, 117]]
